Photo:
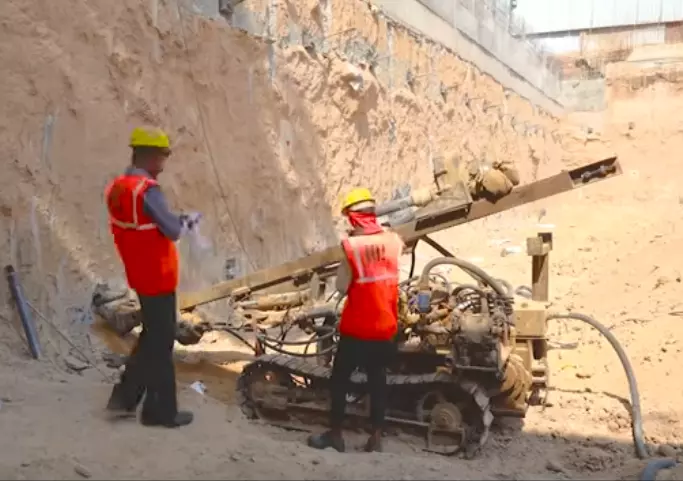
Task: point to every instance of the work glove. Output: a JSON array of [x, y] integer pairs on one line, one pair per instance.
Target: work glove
[[189, 221]]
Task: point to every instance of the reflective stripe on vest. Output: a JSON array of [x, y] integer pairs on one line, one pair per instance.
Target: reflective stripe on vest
[[134, 225], [366, 245]]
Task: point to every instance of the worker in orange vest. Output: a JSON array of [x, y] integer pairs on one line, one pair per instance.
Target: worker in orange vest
[[144, 232], [369, 276]]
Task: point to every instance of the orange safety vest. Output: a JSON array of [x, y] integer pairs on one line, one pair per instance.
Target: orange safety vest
[[371, 309], [150, 259]]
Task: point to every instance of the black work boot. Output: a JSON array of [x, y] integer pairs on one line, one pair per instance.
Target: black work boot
[[328, 439], [182, 418], [374, 444]]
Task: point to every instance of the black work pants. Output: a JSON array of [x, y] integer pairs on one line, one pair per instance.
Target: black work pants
[[373, 357], [149, 369]]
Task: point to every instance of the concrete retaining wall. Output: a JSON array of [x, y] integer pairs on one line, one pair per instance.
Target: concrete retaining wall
[[584, 95], [480, 41], [493, 50]]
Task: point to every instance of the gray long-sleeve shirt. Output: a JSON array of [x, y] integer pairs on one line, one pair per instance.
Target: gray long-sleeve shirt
[[344, 276], [155, 206]]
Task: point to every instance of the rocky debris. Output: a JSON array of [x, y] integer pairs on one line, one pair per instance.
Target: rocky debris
[[82, 471], [113, 360], [555, 466], [75, 364], [667, 451]]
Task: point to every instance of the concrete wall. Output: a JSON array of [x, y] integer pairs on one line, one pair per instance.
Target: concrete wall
[[480, 41], [597, 42], [584, 95], [510, 61], [562, 15]]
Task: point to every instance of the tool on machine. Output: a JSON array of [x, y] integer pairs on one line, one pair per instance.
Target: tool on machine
[[466, 352]]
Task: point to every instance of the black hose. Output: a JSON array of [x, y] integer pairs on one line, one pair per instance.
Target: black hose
[[298, 354], [283, 334], [473, 270], [649, 473], [318, 311], [339, 301], [264, 338], [636, 416], [24, 314], [331, 296], [413, 258], [239, 337], [468, 287], [311, 341]]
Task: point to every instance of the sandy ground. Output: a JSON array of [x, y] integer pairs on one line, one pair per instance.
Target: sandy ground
[[616, 253]]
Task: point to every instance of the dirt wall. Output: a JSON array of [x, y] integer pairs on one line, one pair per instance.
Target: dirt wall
[[655, 72], [265, 158]]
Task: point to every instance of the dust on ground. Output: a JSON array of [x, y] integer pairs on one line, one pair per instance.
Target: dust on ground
[[616, 257]]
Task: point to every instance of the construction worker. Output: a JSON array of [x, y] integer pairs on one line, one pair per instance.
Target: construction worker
[[144, 232], [369, 276]]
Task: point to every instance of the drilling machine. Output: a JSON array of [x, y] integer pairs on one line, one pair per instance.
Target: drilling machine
[[466, 353]]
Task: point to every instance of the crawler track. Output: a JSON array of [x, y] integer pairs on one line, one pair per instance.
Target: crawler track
[[275, 387]]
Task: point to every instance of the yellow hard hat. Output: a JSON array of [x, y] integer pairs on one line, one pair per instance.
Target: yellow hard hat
[[149, 137], [356, 196]]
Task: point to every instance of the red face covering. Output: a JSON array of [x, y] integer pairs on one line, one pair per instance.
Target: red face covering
[[364, 222]]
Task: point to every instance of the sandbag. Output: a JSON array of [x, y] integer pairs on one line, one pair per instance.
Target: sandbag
[[507, 168], [496, 183], [511, 173]]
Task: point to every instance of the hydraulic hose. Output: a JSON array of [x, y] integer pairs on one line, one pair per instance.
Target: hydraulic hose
[[264, 338], [507, 286], [406, 282], [467, 287], [277, 345], [413, 259], [636, 417], [339, 302], [298, 354], [524, 291], [649, 473], [473, 270], [239, 337]]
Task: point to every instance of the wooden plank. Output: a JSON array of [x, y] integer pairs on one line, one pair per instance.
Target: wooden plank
[[433, 222]]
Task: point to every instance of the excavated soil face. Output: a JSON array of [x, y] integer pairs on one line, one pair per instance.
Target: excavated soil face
[[269, 161], [265, 159]]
